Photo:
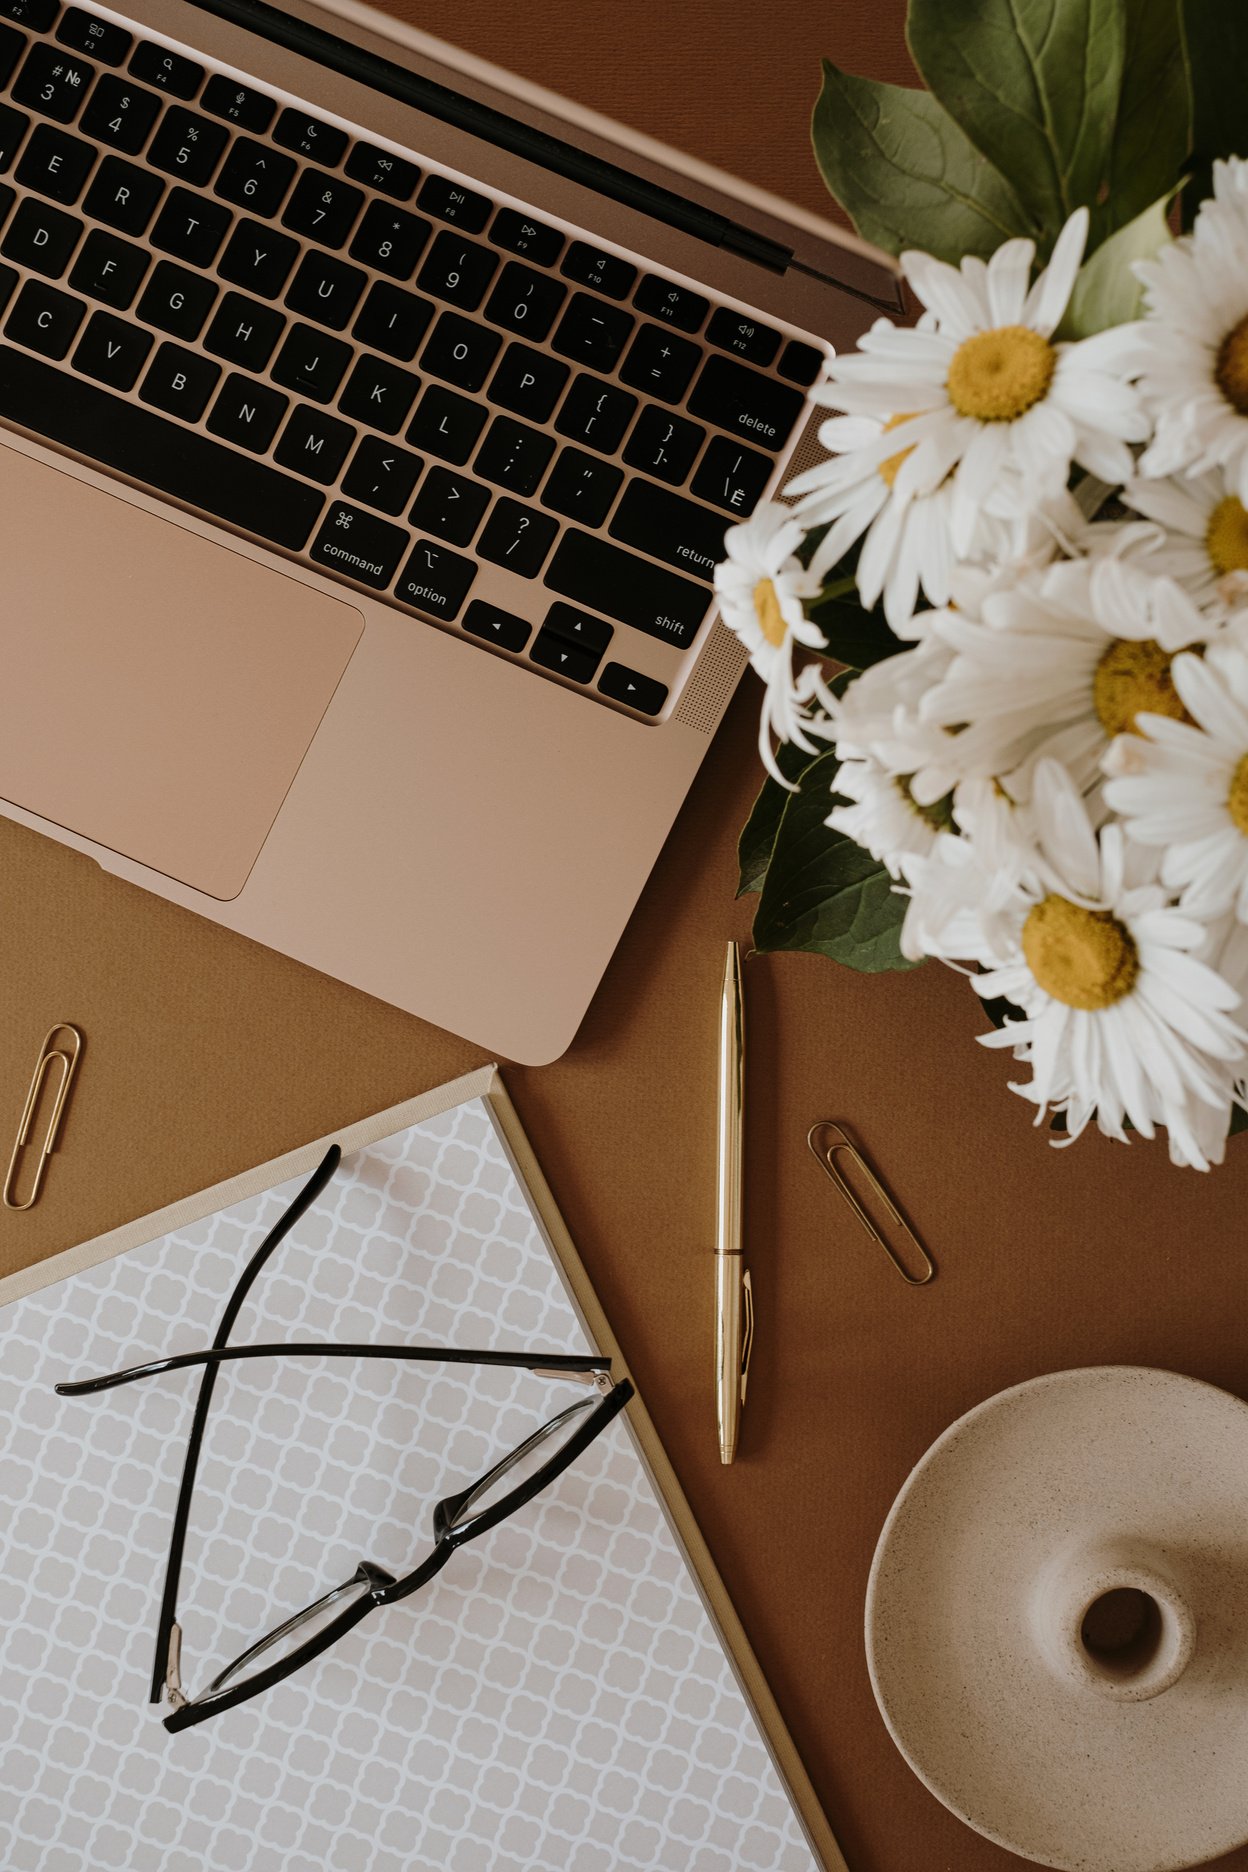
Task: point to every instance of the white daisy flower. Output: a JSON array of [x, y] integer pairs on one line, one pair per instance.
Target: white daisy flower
[[761, 586], [1122, 1021], [878, 716], [1199, 537], [985, 390], [1058, 663], [1182, 786], [883, 815], [1193, 343]]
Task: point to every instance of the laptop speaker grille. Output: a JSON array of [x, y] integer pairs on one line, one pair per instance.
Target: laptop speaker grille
[[809, 449]]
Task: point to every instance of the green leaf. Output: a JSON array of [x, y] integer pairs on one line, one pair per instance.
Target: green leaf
[[855, 637], [1239, 1121], [823, 893], [1217, 51], [1106, 290], [758, 835], [905, 174], [1078, 102]]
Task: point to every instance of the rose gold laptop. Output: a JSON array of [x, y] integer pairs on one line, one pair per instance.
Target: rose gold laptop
[[369, 425]]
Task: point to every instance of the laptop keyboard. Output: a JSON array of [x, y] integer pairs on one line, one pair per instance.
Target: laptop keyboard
[[367, 365]]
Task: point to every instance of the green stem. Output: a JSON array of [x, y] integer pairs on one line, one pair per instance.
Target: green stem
[[838, 589]]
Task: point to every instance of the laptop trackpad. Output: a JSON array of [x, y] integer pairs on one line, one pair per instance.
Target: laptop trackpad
[[157, 691]]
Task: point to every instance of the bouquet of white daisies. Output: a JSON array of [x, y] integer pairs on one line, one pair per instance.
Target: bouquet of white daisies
[[1003, 627]]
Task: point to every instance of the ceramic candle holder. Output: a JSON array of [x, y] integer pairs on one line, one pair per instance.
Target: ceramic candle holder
[[1113, 1620]]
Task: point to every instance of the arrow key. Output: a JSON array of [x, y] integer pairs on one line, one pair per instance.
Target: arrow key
[[576, 661], [638, 692]]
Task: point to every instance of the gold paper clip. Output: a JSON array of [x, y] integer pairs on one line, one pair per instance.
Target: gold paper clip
[[827, 1154], [64, 1056]]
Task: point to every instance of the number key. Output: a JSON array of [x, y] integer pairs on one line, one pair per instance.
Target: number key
[[365, 548], [323, 208], [53, 84], [187, 146], [390, 239], [120, 114], [525, 301], [457, 270], [255, 177], [517, 537]]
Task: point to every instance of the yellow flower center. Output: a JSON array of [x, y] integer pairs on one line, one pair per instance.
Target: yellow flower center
[[1131, 677], [770, 616], [1085, 958], [888, 469], [1237, 798], [1226, 536], [1230, 373], [996, 376]]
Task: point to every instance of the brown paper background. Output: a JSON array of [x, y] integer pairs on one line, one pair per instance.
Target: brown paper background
[[206, 1054]]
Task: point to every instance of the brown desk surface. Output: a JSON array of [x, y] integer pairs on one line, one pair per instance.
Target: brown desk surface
[[206, 1053]]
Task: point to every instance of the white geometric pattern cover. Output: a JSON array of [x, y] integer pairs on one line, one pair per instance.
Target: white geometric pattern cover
[[556, 1698]]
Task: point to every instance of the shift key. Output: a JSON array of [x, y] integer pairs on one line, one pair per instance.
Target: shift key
[[618, 585]]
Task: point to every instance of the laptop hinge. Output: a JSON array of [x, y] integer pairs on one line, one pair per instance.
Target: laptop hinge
[[452, 107]]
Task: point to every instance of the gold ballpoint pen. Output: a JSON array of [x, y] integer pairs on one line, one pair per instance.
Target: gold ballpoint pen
[[734, 1297]]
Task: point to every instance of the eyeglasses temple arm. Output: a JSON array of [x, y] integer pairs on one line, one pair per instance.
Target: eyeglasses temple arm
[[552, 1364]]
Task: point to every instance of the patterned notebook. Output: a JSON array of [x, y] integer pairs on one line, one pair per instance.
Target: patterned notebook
[[558, 1697]]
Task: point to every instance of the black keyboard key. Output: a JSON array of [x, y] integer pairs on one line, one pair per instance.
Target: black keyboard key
[[528, 382], [315, 445], [435, 580], [13, 127], [393, 321], [109, 269], [517, 537], [44, 319], [112, 351], [664, 445], [382, 170], [244, 331], [135, 441], [457, 270], [308, 136], [258, 258], [180, 382], [660, 363], [311, 363], [169, 71], [176, 301], [667, 526], [366, 549], [37, 14], [7, 198], [732, 476], [733, 331], [514, 456], [390, 240], [120, 114], [460, 352], [379, 395], [575, 626], [122, 196], [596, 414], [605, 272], [55, 164], [191, 227], [446, 425], [801, 363], [325, 290], [583, 487], [449, 506], [592, 332], [629, 686], [52, 85], [758, 409], [525, 301], [532, 240], [41, 238], [323, 208], [187, 146], [451, 201], [99, 39], [577, 662], [247, 413], [8, 280], [676, 305], [381, 475], [255, 177], [238, 104], [497, 627], [12, 45], [591, 571]]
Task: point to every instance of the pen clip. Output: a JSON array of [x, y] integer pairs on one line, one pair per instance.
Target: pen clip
[[747, 1335]]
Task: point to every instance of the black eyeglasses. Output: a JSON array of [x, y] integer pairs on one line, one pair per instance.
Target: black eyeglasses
[[473, 1510]]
